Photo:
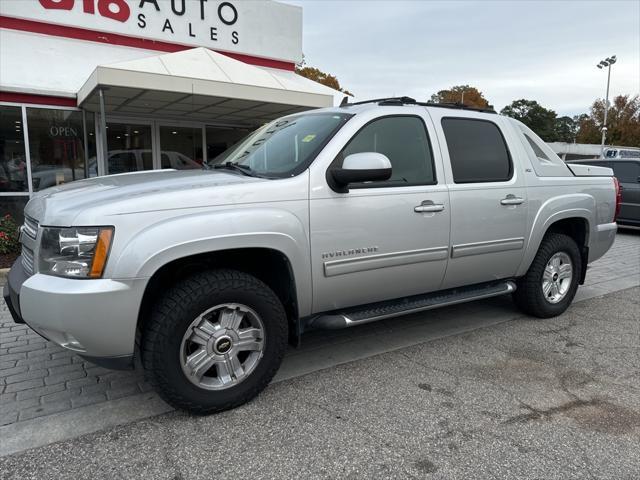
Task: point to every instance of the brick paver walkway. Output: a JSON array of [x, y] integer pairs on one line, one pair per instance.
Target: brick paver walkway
[[38, 378]]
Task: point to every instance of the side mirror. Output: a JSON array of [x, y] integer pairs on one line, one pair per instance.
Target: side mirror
[[360, 167]]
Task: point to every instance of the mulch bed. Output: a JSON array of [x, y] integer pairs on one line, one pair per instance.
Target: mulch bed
[[7, 259]]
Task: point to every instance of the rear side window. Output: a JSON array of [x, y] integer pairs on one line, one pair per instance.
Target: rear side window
[[536, 149], [404, 140], [477, 151]]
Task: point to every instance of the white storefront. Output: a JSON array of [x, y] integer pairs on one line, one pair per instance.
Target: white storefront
[[92, 87]]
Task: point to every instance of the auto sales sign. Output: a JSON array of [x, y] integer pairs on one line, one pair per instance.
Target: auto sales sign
[[261, 28]]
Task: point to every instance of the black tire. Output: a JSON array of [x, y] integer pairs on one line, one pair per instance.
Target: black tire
[[176, 310], [529, 296]]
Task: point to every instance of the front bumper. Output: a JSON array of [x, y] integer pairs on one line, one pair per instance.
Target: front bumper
[[94, 318], [11, 291]]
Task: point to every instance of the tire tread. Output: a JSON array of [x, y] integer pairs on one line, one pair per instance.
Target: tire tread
[[528, 296], [176, 301]]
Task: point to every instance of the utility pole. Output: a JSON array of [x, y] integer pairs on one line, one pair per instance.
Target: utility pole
[[607, 62]]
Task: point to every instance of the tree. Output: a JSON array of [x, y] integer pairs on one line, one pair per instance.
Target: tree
[[623, 122], [319, 76], [472, 96], [539, 119], [588, 130], [565, 129]]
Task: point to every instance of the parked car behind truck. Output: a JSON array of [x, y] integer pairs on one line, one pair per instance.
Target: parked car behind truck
[[627, 170], [325, 219]]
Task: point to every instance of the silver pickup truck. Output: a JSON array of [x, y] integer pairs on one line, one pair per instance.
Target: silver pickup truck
[[326, 219]]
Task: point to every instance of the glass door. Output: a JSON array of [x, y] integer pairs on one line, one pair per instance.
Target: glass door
[[221, 138], [181, 146], [130, 145]]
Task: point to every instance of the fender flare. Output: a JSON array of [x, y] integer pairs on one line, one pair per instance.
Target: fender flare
[[183, 236], [582, 206]]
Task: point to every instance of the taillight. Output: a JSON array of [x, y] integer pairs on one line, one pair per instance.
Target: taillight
[[618, 188]]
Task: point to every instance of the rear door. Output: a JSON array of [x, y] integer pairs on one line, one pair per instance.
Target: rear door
[[488, 198]]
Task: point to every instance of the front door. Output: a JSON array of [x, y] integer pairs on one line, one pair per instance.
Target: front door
[[377, 241], [488, 199]]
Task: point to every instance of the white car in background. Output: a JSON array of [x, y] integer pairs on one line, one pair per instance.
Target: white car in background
[[120, 161]]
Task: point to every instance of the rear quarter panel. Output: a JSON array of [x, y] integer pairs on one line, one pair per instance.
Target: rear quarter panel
[[556, 198]]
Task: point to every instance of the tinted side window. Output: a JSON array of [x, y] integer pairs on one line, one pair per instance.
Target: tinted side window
[[477, 150], [165, 161], [404, 140], [627, 172], [122, 162]]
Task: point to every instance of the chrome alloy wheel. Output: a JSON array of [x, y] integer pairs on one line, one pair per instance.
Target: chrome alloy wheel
[[557, 277], [222, 346]]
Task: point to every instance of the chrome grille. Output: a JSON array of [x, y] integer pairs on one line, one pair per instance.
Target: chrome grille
[[27, 260], [30, 227]]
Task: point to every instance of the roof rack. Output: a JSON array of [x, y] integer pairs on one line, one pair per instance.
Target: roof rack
[[399, 101]]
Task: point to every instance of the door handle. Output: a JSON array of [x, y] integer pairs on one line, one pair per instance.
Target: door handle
[[428, 206], [511, 200]]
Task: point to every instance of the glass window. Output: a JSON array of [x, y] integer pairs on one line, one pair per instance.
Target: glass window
[[626, 172], [122, 162], [477, 151], [221, 138], [129, 147], [181, 148], [147, 157], [536, 149], [13, 162], [284, 147], [56, 145], [404, 141]]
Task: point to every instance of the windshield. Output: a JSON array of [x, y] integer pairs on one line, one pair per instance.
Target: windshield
[[284, 147]]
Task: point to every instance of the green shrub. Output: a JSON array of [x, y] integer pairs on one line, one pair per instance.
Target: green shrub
[[9, 235]]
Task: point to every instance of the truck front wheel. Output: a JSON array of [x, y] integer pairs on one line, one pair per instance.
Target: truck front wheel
[[214, 341], [551, 282]]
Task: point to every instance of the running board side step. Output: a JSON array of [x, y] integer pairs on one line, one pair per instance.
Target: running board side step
[[405, 306]]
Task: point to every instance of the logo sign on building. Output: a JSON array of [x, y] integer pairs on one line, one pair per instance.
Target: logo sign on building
[[261, 28]]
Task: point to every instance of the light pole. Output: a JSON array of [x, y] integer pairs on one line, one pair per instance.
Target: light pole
[[607, 62]]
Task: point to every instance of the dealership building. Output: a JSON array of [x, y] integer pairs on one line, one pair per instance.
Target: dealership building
[[96, 87]]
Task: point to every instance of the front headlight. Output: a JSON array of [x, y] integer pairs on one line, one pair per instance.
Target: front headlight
[[76, 252]]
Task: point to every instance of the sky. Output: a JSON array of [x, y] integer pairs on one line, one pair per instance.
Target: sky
[[541, 50]]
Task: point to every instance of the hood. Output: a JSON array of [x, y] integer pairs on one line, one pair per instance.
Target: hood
[[137, 191]]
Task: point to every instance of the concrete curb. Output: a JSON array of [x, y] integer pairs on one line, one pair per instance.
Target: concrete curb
[[456, 320], [61, 426]]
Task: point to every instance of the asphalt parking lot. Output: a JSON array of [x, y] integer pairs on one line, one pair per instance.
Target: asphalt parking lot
[[471, 391], [558, 398]]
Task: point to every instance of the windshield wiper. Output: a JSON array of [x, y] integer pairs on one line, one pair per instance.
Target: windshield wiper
[[244, 169]]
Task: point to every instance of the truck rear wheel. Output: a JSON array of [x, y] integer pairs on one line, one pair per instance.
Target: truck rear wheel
[[214, 341], [551, 282]]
